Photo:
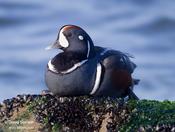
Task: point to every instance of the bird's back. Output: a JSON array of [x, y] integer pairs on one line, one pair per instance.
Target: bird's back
[[115, 58], [116, 76]]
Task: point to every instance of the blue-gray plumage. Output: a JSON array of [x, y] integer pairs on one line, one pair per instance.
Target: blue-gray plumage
[[85, 69]]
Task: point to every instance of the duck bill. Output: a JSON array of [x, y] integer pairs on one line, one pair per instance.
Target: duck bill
[[55, 45]]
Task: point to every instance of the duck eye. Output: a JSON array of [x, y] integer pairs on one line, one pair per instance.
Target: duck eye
[[80, 37]]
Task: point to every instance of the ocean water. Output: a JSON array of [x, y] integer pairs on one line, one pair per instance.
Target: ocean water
[[144, 29]]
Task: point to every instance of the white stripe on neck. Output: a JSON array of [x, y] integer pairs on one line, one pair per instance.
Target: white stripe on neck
[[53, 69], [88, 44]]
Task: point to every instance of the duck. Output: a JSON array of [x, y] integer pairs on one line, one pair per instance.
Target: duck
[[85, 69]]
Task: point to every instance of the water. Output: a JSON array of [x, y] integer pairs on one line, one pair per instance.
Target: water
[[145, 29]]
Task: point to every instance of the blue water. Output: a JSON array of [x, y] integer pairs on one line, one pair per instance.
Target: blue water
[[145, 29]]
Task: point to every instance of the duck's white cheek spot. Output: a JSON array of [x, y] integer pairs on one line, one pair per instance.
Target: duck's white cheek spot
[[80, 37], [63, 41]]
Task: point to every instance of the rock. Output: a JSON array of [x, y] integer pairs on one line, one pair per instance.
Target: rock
[[92, 114]]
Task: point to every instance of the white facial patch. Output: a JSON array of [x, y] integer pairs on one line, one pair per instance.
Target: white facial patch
[[80, 37], [62, 39]]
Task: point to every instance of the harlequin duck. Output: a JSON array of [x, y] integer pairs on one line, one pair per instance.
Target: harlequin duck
[[85, 69]]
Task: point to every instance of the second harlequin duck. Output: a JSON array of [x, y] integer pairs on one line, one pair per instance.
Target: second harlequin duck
[[85, 69]]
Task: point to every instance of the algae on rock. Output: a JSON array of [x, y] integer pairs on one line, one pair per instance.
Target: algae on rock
[[92, 114]]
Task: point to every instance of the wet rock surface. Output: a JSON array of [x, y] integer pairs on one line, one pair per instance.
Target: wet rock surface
[[92, 114], [9, 106]]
